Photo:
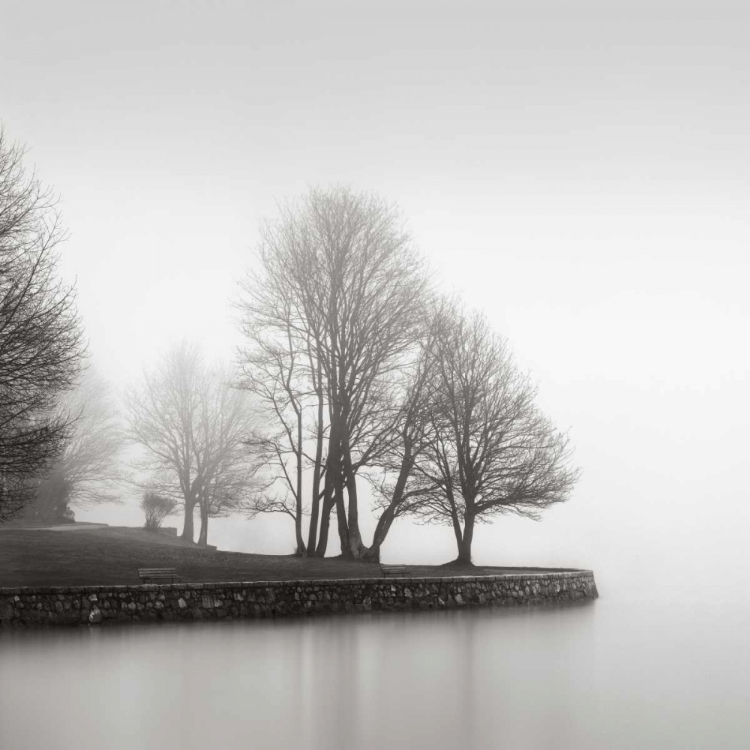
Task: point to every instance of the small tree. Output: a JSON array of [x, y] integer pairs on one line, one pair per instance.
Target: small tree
[[491, 451], [156, 508]]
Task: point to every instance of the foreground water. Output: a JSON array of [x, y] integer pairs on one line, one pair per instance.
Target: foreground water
[[618, 673]]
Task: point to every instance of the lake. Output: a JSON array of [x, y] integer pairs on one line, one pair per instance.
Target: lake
[[622, 672]]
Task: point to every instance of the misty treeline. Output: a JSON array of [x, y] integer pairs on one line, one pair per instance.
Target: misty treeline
[[357, 384], [365, 375]]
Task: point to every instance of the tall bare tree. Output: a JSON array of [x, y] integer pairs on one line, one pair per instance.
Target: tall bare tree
[[192, 425], [41, 337], [338, 274], [491, 451], [280, 367]]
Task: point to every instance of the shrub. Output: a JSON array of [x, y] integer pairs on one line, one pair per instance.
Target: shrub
[[157, 508]]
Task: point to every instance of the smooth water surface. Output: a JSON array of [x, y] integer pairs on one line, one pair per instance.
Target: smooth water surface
[[609, 674]]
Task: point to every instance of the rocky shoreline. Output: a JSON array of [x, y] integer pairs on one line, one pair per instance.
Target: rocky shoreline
[[98, 605]]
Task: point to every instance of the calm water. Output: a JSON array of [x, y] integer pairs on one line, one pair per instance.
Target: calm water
[[618, 673]]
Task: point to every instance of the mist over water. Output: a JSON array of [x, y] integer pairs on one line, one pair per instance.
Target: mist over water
[[577, 171], [611, 674]]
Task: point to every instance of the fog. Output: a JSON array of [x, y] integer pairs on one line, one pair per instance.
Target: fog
[[524, 678], [579, 172]]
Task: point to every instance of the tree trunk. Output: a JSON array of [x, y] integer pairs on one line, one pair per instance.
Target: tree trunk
[[312, 533], [325, 517], [301, 549], [338, 496], [388, 516], [372, 553], [381, 531], [188, 529], [354, 536], [298, 499], [317, 472], [464, 545], [203, 535], [334, 469]]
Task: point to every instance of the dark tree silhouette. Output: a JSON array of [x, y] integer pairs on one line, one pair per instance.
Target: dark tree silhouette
[[41, 337], [490, 450]]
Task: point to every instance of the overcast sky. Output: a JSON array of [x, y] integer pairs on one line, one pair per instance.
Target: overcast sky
[[577, 170]]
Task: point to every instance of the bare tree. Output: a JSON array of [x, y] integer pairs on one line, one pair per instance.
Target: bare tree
[[192, 425], [273, 372], [280, 367], [162, 415], [490, 450], [339, 276], [88, 470], [41, 338]]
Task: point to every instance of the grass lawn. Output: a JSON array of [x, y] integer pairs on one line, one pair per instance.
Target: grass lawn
[[112, 555]]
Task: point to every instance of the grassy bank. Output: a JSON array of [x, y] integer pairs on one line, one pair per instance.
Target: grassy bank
[[112, 555]]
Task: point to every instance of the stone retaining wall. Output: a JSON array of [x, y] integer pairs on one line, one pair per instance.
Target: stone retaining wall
[[94, 605]]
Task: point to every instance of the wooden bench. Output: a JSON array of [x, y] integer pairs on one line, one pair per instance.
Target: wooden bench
[[158, 574], [394, 570]]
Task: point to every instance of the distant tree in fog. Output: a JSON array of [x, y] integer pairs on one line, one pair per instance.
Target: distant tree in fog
[[193, 426], [333, 317], [87, 472], [41, 337], [490, 450], [156, 508]]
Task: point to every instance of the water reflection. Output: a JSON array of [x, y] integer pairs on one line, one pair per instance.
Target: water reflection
[[579, 677]]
